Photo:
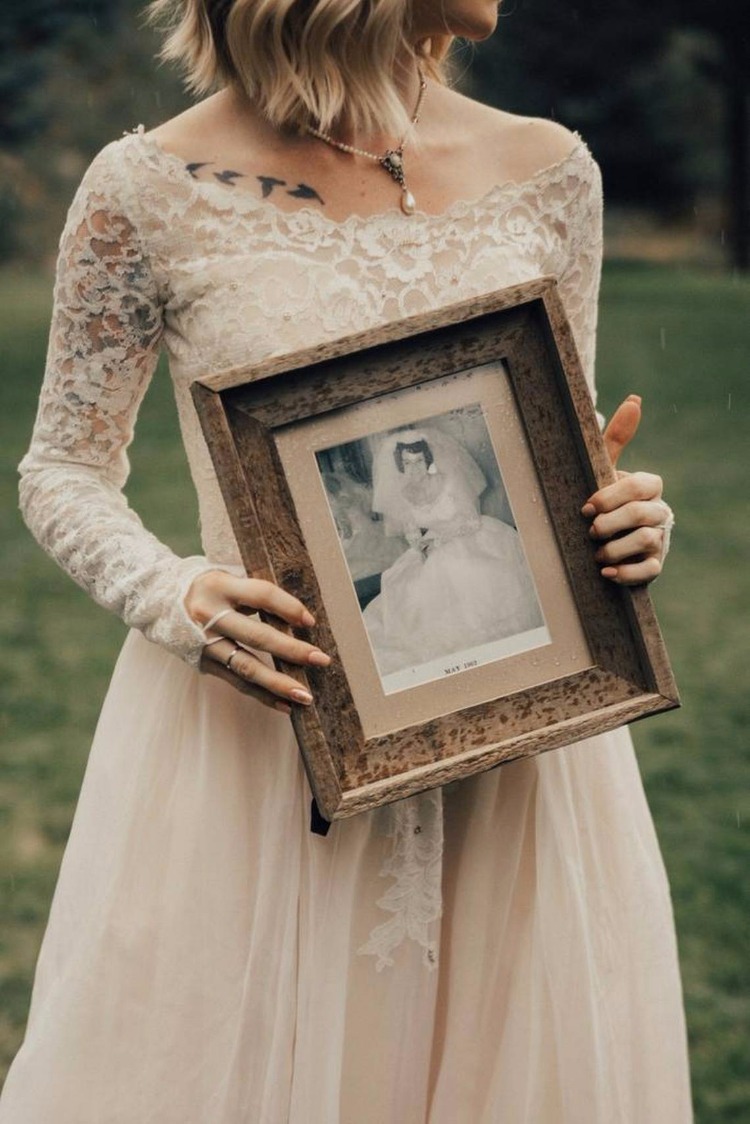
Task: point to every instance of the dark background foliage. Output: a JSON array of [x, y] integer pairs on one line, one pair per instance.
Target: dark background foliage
[[661, 94]]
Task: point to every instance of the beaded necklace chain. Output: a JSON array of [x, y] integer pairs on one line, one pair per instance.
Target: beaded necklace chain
[[392, 160]]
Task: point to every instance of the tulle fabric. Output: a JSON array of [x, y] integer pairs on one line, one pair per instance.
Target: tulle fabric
[[202, 961]]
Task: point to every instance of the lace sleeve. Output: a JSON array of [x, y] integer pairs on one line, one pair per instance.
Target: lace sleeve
[[579, 281], [103, 348]]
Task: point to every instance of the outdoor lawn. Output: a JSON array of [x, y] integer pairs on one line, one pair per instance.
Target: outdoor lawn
[[681, 338]]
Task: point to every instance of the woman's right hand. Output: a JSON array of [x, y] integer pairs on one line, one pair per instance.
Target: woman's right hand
[[217, 593]]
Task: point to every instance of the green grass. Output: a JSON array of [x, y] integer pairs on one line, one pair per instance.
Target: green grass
[[682, 339], [678, 337]]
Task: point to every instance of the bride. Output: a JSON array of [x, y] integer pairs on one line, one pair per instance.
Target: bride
[[464, 580], [499, 950]]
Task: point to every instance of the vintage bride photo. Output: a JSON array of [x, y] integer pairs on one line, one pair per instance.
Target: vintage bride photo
[[426, 526]]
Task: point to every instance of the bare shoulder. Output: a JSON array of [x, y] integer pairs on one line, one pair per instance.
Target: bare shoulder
[[519, 147], [197, 128]]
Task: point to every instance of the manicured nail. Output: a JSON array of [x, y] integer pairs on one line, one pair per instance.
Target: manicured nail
[[301, 696], [609, 572], [308, 619], [588, 510], [635, 398], [283, 707], [320, 659]]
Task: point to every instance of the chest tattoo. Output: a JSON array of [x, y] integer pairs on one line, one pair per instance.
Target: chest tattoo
[[304, 191], [268, 184], [228, 176]]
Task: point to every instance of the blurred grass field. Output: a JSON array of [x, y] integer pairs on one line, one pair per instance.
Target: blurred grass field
[[680, 338]]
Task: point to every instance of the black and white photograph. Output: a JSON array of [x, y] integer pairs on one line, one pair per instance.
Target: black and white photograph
[[431, 545]]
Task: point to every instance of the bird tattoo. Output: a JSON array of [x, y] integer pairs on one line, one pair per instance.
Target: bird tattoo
[[228, 176], [196, 167], [268, 183], [303, 191]]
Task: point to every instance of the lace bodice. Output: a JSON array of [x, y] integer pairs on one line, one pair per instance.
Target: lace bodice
[[151, 257]]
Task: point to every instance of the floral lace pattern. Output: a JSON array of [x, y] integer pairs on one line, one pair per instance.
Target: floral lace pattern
[[415, 865], [150, 257]]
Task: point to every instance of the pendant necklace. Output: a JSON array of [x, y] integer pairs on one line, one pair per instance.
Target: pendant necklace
[[393, 159]]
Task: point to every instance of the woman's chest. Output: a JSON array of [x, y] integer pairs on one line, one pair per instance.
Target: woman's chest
[[236, 295]]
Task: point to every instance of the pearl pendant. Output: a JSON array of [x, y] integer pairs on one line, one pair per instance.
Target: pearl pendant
[[408, 202]]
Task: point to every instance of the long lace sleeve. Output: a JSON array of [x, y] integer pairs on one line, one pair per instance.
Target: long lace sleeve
[[581, 276], [103, 348]]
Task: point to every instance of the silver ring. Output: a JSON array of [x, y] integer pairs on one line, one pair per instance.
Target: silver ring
[[668, 522], [214, 640], [666, 528], [230, 657], [216, 617]]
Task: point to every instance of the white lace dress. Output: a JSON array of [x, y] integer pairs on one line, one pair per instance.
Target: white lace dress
[[501, 952]]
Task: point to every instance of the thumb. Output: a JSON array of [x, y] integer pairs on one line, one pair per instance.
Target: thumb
[[622, 426]]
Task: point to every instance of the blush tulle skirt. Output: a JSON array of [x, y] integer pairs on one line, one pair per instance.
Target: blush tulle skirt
[[205, 960]]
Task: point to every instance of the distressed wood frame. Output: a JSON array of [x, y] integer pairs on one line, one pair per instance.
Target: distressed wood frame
[[525, 326]]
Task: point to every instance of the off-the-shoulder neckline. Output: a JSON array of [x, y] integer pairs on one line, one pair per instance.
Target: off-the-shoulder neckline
[[245, 201]]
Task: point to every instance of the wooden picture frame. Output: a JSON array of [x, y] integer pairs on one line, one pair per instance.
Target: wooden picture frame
[[506, 361]]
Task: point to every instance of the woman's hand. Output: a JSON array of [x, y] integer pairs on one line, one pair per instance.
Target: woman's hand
[[629, 517], [218, 599]]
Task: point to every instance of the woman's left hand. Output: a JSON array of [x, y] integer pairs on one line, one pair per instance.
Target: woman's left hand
[[630, 509]]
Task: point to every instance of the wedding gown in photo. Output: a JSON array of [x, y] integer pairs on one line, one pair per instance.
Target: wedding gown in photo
[[498, 952], [464, 581]]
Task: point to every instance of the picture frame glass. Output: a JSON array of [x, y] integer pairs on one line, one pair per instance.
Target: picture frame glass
[[439, 568], [432, 547]]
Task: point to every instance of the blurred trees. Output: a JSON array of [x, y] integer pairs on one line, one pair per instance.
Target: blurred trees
[[30, 32], [661, 96], [727, 27], [74, 74]]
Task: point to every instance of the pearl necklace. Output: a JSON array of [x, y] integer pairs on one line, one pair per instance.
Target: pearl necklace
[[392, 159]]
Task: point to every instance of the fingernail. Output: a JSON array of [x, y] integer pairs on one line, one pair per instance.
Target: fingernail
[[588, 510], [308, 619], [609, 572], [283, 707], [635, 398], [301, 696], [320, 659]]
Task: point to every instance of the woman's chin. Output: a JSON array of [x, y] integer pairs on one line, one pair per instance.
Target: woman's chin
[[465, 19], [473, 23]]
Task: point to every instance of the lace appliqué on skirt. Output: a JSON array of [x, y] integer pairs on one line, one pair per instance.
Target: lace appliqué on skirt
[[415, 862]]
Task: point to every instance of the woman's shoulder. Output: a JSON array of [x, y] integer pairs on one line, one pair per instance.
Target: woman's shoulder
[[105, 184], [200, 127], [133, 167], [520, 147]]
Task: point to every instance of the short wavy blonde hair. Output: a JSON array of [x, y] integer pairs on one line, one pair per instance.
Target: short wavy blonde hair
[[324, 63]]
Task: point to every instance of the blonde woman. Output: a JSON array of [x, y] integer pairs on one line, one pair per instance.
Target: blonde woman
[[501, 951]]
